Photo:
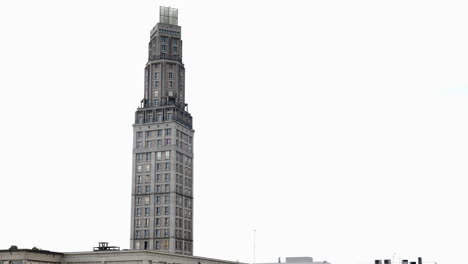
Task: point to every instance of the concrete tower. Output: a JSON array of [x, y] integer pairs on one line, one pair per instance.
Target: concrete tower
[[162, 203]]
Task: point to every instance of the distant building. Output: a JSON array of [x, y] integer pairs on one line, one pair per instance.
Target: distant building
[[300, 260], [403, 261]]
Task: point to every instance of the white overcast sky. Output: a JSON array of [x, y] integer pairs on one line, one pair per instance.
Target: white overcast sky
[[336, 129]]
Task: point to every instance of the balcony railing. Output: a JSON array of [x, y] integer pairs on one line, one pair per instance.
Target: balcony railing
[[147, 103], [165, 57]]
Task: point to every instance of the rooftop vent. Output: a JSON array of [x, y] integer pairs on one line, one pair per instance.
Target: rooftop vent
[[104, 246]]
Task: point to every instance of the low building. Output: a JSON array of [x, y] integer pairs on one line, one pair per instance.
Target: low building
[[30, 256], [300, 260], [112, 256]]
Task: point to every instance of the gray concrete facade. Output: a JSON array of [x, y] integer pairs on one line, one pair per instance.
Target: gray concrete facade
[[162, 178]]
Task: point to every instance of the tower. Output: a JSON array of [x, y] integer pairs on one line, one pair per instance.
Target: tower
[[162, 178]]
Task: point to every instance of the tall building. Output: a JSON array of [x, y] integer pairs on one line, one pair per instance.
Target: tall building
[[162, 180]]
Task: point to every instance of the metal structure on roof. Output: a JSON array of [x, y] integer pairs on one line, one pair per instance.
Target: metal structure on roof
[[168, 15]]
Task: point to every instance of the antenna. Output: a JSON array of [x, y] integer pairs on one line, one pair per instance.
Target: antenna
[[254, 247]]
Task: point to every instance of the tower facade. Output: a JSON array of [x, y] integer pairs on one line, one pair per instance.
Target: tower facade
[[162, 180]]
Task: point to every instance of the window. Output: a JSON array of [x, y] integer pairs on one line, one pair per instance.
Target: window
[[163, 47], [156, 75], [158, 244], [139, 134], [168, 166], [138, 179], [158, 210], [174, 49], [171, 84], [138, 200], [168, 155], [148, 178], [166, 232], [156, 93], [168, 177], [148, 144], [138, 212], [147, 211], [166, 199], [138, 234], [166, 221], [163, 39], [157, 232], [158, 188], [170, 66], [147, 189], [168, 141], [168, 131], [169, 116], [148, 156], [139, 189], [158, 155], [147, 167], [156, 85], [147, 200], [139, 157], [158, 222], [159, 142], [158, 199], [158, 166], [147, 222], [139, 144], [157, 178], [138, 223], [148, 133], [171, 75], [170, 93], [159, 132], [166, 188]]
